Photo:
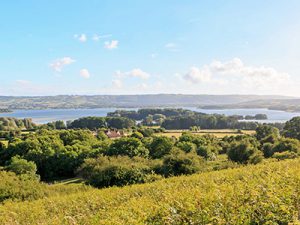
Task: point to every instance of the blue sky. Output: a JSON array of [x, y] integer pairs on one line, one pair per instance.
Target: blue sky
[[149, 46]]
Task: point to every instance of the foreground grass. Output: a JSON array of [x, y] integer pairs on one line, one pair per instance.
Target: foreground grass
[[268, 193]]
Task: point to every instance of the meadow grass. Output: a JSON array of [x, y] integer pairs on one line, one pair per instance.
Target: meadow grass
[[256, 194]]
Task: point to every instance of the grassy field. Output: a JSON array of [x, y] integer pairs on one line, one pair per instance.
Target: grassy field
[[218, 133], [260, 194]]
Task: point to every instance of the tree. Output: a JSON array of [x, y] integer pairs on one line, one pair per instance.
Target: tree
[[107, 171], [128, 146], [137, 135], [287, 144], [266, 132], [160, 147], [120, 122], [244, 151], [21, 166], [179, 163], [187, 146], [292, 128]]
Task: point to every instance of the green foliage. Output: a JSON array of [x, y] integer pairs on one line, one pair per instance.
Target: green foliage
[[137, 134], [109, 171], [56, 153], [284, 155], [91, 123], [245, 151], [12, 124], [128, 146], [264, 132], [22, 187], [21, 166], [208, 151], [187, 146], [179, 163], [287, 144], [160, 147], [292, 128], [119, 122]]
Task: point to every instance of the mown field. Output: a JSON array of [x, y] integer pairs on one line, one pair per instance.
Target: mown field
[[262, 194], [220, 133]]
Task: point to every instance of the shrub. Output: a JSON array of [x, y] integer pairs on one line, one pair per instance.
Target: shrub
[[109, 171], [187, 146], [160, 147], [284, 155], [22, 187], [128, 146], [244, 151], [179, 163], [22, 166]]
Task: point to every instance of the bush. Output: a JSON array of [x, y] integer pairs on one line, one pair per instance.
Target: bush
[[187, 146], [179, 163], [109, 171], [128, 147], [22, 187], [208, 152], [287, 144], [160, 147], [284, 155], [244, 151], [22, 166]]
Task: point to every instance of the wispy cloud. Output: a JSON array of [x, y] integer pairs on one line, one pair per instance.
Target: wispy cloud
[[111, 44], [172, 47], [84, 73], [58, 64], [81, 37], [97, 37], [138, 73]]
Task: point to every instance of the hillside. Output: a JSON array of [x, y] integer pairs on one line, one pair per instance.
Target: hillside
[[291, 105], [248, 195], [101, 101]]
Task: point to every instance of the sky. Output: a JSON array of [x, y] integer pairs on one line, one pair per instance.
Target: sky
[[149, 46]]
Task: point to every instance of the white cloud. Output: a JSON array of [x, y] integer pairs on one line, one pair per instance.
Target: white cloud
[[196, 75], [138, 73], [85, 73], [81, 37], [111, 45], [58, 64], [237, 73], [97, 37], [117, 83]]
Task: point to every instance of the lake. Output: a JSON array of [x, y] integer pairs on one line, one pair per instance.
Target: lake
[[48, 115]]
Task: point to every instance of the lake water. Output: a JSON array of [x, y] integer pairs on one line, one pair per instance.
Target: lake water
[[48, 115]]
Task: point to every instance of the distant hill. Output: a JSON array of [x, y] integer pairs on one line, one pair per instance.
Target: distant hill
[[127, 101], [291, 105]]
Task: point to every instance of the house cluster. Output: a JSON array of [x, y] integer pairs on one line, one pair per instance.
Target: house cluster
[[113, 133]]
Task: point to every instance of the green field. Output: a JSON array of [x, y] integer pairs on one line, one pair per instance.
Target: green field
[[261, 194], [220, 133]]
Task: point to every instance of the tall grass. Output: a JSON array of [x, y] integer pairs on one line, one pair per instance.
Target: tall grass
[[260, 194]]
